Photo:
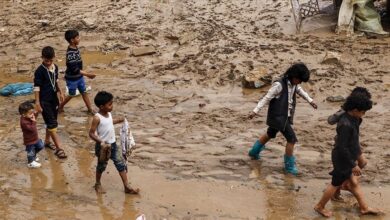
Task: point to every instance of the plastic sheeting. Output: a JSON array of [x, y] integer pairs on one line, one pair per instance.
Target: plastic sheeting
[[17, 89], [360, 15]]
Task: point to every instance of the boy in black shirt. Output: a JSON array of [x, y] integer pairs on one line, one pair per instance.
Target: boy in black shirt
[[46, 90], [344, 155], [74, 74]]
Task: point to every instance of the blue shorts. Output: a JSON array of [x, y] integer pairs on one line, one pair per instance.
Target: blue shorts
[[73, 85]]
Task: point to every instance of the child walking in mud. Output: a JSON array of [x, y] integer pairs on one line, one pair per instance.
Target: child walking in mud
[[333, 119], [28, 124], [344, 155], [282, 101], [74, 74], [103, 133], [46, 91]]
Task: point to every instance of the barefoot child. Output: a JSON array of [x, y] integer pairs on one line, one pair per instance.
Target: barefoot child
[[333, 119], [344, 155], [74, 74], [103, 133], [47, 91], [282, 100], [28, 124]]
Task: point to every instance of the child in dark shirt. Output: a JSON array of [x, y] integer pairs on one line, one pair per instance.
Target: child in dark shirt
[[333, 119], [28, 124], [46, 91], [74, 74], [344, 155]]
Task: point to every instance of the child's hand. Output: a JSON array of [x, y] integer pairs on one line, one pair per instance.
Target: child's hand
[[314, 105], [38, 107], [252, 115], [357, 171], [32, 118], [91, 75]]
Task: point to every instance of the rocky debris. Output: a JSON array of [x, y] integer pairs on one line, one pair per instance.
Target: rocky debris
[[332, 58], [2, 29], [338, 98], [256, 78], [89, 23], [44, 22], [141, 51], [187, 38], [23, 68]]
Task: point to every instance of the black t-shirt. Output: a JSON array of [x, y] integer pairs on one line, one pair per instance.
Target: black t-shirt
[[46, 81], [73, 64]]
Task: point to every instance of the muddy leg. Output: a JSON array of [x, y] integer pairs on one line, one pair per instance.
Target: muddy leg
[[358, 193], [87, 102], [328, 193], [62, 104], [126, 185]]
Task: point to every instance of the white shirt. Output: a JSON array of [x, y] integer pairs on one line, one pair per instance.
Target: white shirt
[[105, 129], [276, 90]]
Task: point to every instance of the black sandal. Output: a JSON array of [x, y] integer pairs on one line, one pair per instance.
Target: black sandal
[[48, 145], [60, 153]]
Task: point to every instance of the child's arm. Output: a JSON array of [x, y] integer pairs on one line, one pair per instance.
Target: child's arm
[[306, 96], [274, 91], [59, 91], [118, 120], [37, 88], [89, 75], [92, 130]]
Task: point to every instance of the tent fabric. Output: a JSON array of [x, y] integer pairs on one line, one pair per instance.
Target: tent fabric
[[16, 89]]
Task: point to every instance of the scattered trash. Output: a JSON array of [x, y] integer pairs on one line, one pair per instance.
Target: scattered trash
[[44, 22], [331, 58], [141, 217]]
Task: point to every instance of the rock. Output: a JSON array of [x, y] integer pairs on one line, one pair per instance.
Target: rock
[[332, 58], [256, 78], [186, 38], [89, 23], [2, 29], [44, 22], [141, 51], [23, 68], [338, 98]]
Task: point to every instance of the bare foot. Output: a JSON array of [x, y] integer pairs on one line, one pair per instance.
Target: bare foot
[[130, 190], [323, 211], [99, 189], [370, 211]]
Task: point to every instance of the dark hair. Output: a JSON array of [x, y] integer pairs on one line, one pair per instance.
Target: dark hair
[[361, 91], [71, 34], [102, 98], [299, 71], [25, 107], [359, 102], [48, 52]]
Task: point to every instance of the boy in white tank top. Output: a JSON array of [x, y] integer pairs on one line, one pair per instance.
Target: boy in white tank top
[[102, 131]]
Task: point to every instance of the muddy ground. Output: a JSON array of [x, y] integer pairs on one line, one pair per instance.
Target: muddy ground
[[188, 110]]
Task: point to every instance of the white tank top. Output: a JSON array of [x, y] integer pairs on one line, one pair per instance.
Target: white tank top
[[105, 129]]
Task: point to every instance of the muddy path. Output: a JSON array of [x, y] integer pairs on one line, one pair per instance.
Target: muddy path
[[187, 110]]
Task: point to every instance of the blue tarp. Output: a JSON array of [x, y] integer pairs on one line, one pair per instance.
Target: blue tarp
[[17, 89]]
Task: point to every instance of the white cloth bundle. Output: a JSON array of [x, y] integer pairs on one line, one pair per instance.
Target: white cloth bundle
[[127, 139]]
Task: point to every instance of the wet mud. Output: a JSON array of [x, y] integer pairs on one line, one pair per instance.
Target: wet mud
[[188, 110]]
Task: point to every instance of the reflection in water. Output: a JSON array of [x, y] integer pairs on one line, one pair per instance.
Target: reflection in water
[[38, 182]]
